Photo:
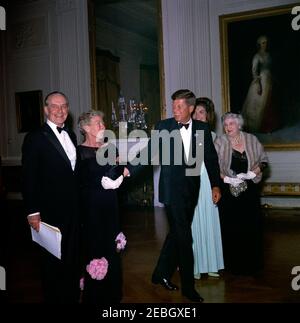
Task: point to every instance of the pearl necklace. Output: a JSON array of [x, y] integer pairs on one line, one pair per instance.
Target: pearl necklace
[[236, 140]]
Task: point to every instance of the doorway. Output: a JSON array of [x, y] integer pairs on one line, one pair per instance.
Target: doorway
[[126, 51], [125, 40]]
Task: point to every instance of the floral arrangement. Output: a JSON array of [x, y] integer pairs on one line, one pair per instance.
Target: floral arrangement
[[121, 241], [97, 268]]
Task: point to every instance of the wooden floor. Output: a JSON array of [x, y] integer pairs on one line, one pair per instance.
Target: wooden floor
[[145, 230]]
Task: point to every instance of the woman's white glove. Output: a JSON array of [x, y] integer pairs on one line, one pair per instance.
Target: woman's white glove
[[249, 175], [234, 181], [109, 184]]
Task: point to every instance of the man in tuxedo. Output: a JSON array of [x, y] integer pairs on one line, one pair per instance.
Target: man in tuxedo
[[179, 193], [50, 192]]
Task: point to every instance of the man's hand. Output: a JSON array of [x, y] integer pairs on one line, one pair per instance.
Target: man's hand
[[34, 221], [109, 184], [216, 194]]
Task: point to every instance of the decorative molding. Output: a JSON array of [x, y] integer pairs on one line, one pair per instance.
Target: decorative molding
[[281, 189], [29, 33]]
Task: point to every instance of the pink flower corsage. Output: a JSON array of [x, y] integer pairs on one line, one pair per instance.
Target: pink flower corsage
[[81, 283], [121, 241], [97, 268]]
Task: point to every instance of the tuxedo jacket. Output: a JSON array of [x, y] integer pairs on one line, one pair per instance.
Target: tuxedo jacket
[[50, 186], [174, 185]]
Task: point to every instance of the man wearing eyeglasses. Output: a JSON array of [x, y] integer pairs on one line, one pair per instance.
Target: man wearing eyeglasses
[[50, 192]]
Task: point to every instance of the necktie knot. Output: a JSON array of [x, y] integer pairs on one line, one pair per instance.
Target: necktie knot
[[180, 125], [60, 129]]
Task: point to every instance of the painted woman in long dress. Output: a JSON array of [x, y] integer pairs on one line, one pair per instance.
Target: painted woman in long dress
[[258, 109], [206, 232]]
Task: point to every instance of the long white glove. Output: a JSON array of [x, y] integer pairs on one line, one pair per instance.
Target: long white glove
[[109, 184], [248, 175], [234, 181]]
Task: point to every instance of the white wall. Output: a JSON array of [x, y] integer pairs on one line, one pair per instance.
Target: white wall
[[192, 60], [47, 50]]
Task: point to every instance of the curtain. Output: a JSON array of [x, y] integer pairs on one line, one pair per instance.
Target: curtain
[[150, 92], [108, 83]]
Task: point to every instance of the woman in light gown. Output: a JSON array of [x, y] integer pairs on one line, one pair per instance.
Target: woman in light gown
[[258, 110], [206, 232]]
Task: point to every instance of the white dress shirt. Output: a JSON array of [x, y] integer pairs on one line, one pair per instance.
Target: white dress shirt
[[186, 138], [66, 143]]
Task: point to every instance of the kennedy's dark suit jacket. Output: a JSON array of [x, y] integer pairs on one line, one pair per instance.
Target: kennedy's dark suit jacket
[[50, 185], [174, 185]]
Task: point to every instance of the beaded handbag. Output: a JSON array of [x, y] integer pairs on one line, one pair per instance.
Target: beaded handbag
[[237, 190]]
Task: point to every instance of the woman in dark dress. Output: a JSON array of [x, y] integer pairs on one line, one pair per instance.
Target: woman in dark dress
[[242, 160], [100, 219]]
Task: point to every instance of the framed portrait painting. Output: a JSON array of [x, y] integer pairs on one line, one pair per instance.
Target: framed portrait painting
[[260, 53], [29, 112]]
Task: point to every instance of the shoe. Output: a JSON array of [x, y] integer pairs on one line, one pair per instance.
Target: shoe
[[197, 276], [193, 296], [211, 274], [166, 283]]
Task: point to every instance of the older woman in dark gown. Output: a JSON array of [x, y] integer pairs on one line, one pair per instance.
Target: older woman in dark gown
[[242, 160], [100, 217]]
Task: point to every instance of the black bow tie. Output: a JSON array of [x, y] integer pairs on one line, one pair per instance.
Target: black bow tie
[[180, 125], [59, 129]]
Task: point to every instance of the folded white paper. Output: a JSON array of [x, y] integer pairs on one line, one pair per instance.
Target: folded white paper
[[48, 237]]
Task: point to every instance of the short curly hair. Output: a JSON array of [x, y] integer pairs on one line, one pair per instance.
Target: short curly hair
[[85, 119], [238, 117]]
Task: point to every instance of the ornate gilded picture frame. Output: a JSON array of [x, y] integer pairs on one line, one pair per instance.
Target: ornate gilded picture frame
[[260, 53]]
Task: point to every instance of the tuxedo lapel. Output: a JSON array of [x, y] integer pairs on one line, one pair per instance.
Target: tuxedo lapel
[[72, 137], [55, 142], [193, 141], [174, 126]]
